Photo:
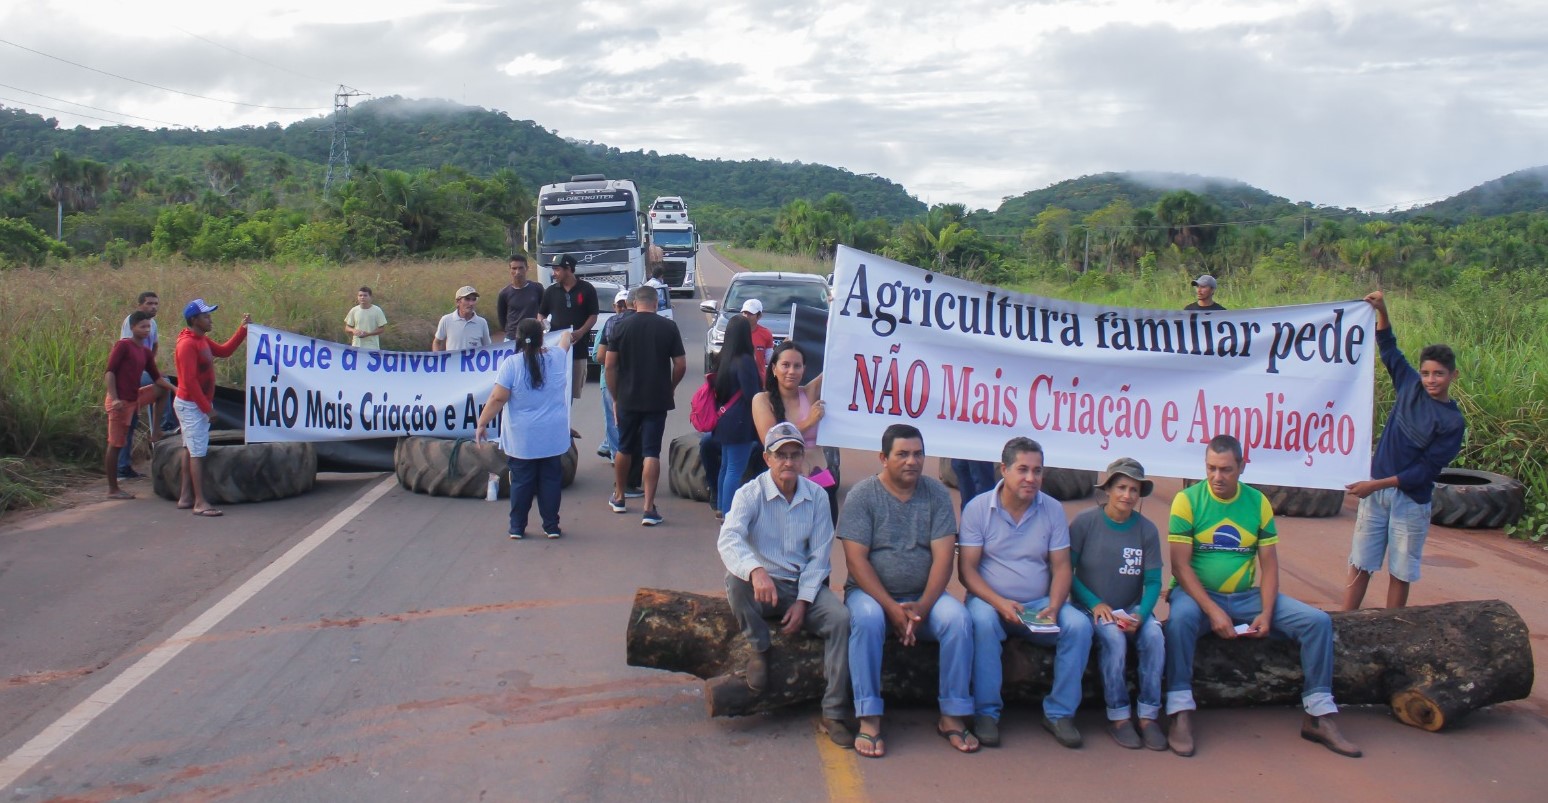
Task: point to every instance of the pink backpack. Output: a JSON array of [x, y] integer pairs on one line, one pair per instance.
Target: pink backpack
[[703, 414]]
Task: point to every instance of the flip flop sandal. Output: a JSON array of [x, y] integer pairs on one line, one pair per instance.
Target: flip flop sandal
[[208, 512], [120, 495], [878, 747], [949, 735]]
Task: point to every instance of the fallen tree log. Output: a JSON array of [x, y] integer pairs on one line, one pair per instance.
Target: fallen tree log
[[1433, 664]]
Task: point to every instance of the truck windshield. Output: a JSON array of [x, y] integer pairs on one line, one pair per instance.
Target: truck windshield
[[604, 229], [673, 239], [778, 298]]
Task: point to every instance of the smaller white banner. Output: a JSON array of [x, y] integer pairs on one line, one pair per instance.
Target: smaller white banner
[[304, 389]]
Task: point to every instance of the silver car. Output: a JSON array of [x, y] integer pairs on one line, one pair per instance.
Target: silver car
[[778, 292]]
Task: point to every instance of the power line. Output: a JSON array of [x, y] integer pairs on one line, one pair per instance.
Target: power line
[[246, 56], [162, 88], [84, 106]]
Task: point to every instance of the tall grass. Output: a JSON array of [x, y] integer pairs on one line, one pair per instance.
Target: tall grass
[[60, 325], [772, 261]]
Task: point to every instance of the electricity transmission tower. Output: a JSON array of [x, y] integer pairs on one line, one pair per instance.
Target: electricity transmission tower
[[338, 152]]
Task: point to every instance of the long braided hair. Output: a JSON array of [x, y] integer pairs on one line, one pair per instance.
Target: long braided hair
[[529, 340]]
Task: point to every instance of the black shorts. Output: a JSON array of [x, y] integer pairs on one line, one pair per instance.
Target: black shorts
[[639, 432]]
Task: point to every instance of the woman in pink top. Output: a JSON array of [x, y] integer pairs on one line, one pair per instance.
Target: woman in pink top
[[785, 399]]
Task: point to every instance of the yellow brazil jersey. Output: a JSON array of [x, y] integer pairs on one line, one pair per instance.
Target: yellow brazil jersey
[[1225, 534]]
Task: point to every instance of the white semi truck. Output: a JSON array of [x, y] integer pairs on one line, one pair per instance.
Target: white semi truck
[[679, 243], [596, 220]]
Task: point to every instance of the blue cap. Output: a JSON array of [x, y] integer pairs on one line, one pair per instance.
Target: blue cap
[[198, 307]]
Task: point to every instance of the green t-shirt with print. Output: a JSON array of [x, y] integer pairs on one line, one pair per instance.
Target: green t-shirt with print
[[1225, 534]]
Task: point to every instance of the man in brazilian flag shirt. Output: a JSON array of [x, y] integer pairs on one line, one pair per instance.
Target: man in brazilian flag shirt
[[1222, 538]]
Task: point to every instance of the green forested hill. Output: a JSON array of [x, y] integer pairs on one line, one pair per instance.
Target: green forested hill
[[1140, 189], [402, 134], [1521, 191]]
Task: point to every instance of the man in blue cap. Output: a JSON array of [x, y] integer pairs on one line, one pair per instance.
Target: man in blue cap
[[195, 358]]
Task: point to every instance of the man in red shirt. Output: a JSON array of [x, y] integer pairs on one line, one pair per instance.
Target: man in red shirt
[[763, 339], [195, 361], [125, 395]]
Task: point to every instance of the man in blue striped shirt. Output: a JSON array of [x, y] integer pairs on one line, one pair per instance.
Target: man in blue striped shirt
[[776, 543]]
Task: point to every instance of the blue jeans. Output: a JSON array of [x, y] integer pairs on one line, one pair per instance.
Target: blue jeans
[[1293, 619], [610, 439], [1113, 656], [1072, 648], [733, 464], [973, 478], [1390, 525], [541, 477], [947, 624]]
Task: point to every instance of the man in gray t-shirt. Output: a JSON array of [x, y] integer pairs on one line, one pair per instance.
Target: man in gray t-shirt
[[900, 536]]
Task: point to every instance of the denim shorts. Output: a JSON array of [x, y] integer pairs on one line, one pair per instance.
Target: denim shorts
[[196, 427], [1390, 524]]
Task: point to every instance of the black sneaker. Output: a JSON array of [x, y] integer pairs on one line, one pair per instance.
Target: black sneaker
[[517, 535], [129, 474], [603, 451], [552, 534], [633, 493], [617, 505], [651, 518]]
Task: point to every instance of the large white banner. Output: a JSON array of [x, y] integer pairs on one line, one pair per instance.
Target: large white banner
[[304, 389], [972, 366]]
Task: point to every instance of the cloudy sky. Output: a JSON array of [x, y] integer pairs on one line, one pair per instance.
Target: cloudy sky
[[1366, 103]]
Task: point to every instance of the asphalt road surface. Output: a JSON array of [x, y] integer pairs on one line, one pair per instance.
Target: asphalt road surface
[[364, 643]]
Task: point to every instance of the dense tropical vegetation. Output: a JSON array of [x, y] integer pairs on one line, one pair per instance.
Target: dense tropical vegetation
[[437, 180]]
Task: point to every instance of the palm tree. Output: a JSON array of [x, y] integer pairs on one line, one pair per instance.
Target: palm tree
[[1189, 219], [63, 174], [225, 170]]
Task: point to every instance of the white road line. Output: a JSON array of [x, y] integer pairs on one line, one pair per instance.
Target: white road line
[[39, 747]]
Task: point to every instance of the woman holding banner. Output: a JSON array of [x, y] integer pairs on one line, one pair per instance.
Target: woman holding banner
[[785, 399], [535, 428], [736, 383]]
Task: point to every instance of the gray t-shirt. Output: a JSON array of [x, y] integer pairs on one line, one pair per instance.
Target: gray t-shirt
[[897, 533], [1114, 557]]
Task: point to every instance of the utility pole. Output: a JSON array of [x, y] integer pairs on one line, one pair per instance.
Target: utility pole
[[338, 151]]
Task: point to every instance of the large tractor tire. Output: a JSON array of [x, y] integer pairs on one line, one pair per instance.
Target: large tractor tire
[[1297, 502], [685, 472], [1063, 484], [1476, 499], [444, 467], [236, 471], [1066, 484]]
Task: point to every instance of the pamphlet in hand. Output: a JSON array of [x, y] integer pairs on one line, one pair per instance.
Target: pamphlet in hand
[[1038, 624], [1242, 630]]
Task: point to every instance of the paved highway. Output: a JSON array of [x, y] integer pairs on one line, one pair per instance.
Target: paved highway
[[364, 643]]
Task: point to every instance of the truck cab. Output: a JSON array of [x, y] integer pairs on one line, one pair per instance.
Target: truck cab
[[679, 243]]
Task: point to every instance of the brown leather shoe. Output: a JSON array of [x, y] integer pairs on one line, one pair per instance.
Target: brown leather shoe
[[757, 672], [1180, 736], [839, 731], [1324, 731]]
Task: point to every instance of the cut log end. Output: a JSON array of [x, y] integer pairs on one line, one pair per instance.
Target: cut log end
[[1428, 708]]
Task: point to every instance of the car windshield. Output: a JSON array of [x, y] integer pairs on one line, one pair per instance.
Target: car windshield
[[673, 239], [606, 229], [778, 298]]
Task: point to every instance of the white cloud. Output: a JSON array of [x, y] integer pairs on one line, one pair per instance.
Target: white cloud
[[1343, 102]]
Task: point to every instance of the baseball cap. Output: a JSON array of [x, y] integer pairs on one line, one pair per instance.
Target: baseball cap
[[198, 307], [782, 433], [1131, 468], [621, 297], [465, 291], [1205, 281], [753, 305], [562, 261]]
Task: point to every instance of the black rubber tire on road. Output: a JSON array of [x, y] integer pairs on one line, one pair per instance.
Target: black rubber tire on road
[[1063, 484], [1476, 499], [685, 472], [461, 468], [1066, 484], [1296, 502], [236, 471]]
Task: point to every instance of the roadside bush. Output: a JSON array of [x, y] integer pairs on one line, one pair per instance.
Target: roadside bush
[[22, 243]]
